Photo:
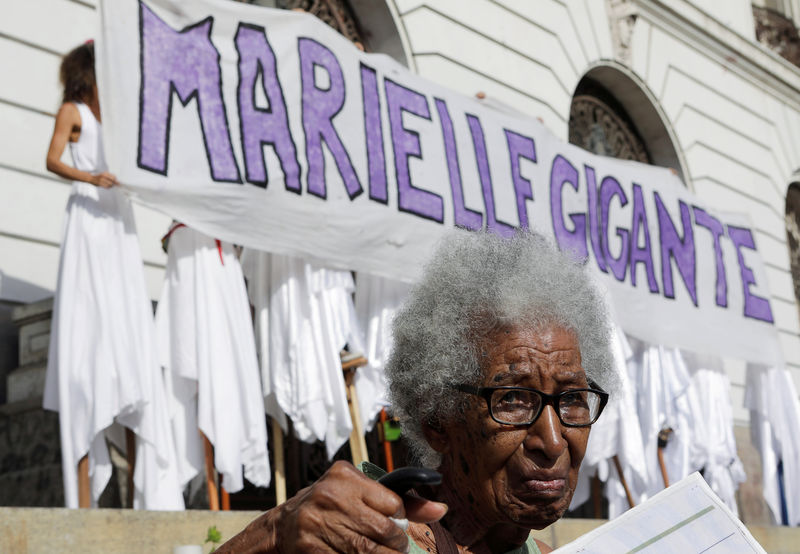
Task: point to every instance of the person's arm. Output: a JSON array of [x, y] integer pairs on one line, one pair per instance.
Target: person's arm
[[67, 120], [343, 511]]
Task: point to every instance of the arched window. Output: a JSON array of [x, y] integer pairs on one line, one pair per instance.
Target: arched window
[[336, 13], [368, 22], [599, 124], [613, 114]]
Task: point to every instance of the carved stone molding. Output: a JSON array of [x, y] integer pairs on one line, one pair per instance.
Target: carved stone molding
[[336, 13], [622, 18], [777, 32], [598, 127]]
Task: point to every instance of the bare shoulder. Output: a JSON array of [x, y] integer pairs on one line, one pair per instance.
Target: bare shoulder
[[68, 122], [69, 111]]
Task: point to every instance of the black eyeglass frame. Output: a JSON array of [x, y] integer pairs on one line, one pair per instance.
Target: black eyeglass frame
[[547, 400]]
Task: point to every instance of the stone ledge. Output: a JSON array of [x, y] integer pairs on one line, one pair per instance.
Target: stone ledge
[[43, 530], [35, 311]]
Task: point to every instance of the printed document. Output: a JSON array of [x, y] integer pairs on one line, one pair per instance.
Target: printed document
[[687, 517]]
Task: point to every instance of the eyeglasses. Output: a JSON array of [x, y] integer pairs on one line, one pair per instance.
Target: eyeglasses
[[522, 406]]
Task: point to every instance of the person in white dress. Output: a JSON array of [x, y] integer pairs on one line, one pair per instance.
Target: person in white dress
[[207, 345], [102, 373]]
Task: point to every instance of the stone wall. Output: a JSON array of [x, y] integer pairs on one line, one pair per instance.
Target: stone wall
[[30, 452]]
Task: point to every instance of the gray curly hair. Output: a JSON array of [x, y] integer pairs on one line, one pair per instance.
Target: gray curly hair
[[475, 283]]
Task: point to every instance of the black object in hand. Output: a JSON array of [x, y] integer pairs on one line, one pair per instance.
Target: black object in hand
[[405, 478]]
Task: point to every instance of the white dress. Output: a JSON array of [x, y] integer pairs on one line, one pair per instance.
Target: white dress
[[207, 346], [102, 367]]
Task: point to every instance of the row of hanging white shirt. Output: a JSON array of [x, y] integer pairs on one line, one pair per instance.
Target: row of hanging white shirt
[[665, 387], [304, 317]]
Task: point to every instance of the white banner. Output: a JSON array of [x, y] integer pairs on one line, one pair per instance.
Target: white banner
[[269, 129]]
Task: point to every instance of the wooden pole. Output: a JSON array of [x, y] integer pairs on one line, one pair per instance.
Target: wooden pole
[[663, 467], [387, 446], [663, 439], [597, 496], [211, 478], [358, 444], [84, 490], [622, 480], [280, 464], [225, 499], [130, 454]]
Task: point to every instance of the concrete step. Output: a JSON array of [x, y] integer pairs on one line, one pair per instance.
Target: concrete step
[[47, 530], [110, 531]]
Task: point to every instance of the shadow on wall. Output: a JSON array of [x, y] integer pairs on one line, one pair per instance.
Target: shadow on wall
[[22, 292], [9, 345]]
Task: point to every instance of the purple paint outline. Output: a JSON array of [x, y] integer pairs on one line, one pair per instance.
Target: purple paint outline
[[292, 176], [352, 183], [174, 92], [464, 217]]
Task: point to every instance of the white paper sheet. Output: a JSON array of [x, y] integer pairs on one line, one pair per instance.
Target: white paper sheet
[[687, 517]]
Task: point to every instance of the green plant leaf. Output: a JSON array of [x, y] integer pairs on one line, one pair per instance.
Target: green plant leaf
[[213, 536]]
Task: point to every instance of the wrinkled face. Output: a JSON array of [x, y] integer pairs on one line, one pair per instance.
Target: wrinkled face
[[519, 475]]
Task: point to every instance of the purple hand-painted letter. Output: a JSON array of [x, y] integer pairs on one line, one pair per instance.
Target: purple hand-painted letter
[[373, 132], [717, 230], [609, 188], [263, 126], [754, 306], [520, 146], [405, 143], [573, 241], [463, 216], [320, 105], [673, 247], [594, 218], [184, 63], [641, 254]]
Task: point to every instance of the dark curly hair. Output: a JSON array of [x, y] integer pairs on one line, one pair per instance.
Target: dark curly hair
[[77, 74]]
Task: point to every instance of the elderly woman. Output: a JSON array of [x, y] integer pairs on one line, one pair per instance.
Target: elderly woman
[[499, 358]]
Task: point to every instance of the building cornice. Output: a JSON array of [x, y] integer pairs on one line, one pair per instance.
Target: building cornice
[[744, 57]]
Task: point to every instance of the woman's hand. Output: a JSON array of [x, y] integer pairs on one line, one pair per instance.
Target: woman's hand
[[104, 180], [344, 511]]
